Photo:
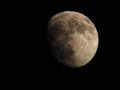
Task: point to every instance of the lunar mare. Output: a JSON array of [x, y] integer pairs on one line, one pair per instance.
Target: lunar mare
[[73, 38]]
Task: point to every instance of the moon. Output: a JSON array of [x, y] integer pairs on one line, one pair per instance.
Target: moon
[[73, 38]]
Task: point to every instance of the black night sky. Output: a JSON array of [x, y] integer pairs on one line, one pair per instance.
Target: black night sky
[[103, 66], [35, 63]]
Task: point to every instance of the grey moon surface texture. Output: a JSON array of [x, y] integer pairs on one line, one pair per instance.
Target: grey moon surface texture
[[73, 38]]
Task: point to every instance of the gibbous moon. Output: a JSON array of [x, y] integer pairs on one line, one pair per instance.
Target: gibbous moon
[[73, 38]]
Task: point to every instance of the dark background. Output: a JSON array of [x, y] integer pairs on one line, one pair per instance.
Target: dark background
[[29, 59]]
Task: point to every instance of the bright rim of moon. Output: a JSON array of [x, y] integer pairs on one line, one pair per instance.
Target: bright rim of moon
[[73, 38]]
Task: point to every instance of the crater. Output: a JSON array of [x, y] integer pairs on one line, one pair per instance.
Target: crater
[[87, 20]]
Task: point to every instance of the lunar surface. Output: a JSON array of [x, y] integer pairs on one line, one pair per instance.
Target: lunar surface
[[73, 38]]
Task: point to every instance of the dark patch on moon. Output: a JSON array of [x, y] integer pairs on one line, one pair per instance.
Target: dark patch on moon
[[61, 49], [75, 25], [63, 52], [59, 29], [89, 38]]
